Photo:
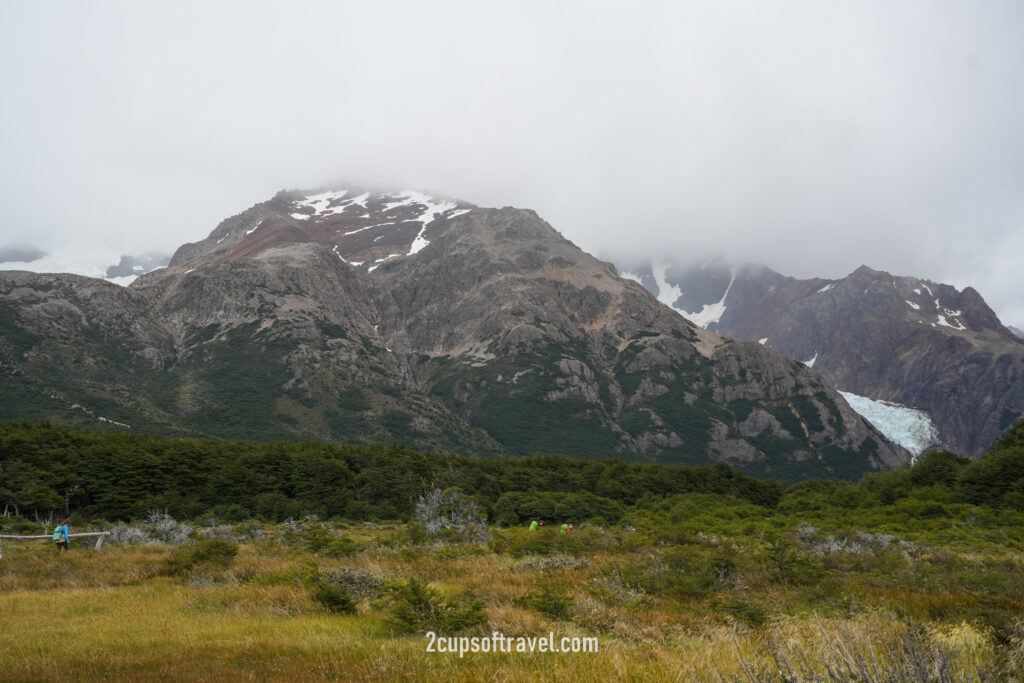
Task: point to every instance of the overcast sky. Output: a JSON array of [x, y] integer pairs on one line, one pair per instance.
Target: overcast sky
[[812, 136]]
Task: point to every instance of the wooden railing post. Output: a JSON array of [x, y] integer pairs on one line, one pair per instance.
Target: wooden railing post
[[101, 536]]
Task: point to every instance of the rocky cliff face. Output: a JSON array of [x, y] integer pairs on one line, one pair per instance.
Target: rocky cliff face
[[351, 315], [899, 339]]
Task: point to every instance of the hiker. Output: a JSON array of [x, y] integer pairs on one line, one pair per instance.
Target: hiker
[[61, 535], [533, 525], [565, 528], [570, 530]]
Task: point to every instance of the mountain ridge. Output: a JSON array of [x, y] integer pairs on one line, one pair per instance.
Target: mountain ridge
[[900, 339], [349, 315]]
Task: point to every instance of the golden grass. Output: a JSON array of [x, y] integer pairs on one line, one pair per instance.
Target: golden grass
[[112, 615]]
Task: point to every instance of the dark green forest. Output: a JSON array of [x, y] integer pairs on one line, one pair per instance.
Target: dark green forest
[[46, 469]]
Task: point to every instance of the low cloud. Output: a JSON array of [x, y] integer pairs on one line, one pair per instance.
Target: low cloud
[[812, 137]]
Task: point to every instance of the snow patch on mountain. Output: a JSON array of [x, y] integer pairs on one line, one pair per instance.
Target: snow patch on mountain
[[423, 208], [321, 204], [338, 253], [825, 288], [420, 241], [912, 305], [711, 313], [667, 294], [379, 261], [946, 323], [909, 427], [432, 207], [810, 363], [360, 201]]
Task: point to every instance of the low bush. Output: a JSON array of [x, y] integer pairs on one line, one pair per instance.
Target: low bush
[[213, 551], [520, 542], [550, 563], [356, 582], [690, 573], [334, 598], [552, 600], [744, 612], [417, 608]]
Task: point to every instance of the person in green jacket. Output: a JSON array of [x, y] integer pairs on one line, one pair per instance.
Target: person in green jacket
[[565, 528], [533, 525]]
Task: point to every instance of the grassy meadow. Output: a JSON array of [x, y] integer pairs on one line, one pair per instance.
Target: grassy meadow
[[761, 598], [288, 567]]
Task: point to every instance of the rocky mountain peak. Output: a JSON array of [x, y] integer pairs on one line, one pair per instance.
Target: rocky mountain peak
[[363, 228]]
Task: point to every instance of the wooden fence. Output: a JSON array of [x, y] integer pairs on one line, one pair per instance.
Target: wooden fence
[[100, 537]]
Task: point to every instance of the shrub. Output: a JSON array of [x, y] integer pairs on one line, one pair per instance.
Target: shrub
[[415, 533], [519, 542], [451, 514], [678, 572], [317, 539], [122, 534], [341, 547], [460, 551], [551, 600], [333, 597], [20, 526], [792, 565], [550, 563], [208, 553], [417, 608], [307, 574], [163, 527], [323, 541], [216, 552], [743, 611], [356, 582]]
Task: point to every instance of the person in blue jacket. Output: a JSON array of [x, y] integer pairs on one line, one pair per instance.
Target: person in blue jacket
[[61, 535]]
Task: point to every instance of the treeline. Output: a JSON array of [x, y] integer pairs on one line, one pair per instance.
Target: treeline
[[44, 468], [121, 476]]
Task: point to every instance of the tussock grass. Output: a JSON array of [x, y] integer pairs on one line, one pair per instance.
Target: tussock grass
[[129, 612]]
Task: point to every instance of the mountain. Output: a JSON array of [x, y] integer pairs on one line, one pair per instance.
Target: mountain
[[901, 340], [361, 316]]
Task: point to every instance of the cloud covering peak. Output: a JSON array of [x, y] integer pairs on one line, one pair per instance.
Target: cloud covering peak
[[812, 136]]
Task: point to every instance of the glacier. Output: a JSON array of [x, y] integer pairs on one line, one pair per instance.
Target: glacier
[[909, 427]]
